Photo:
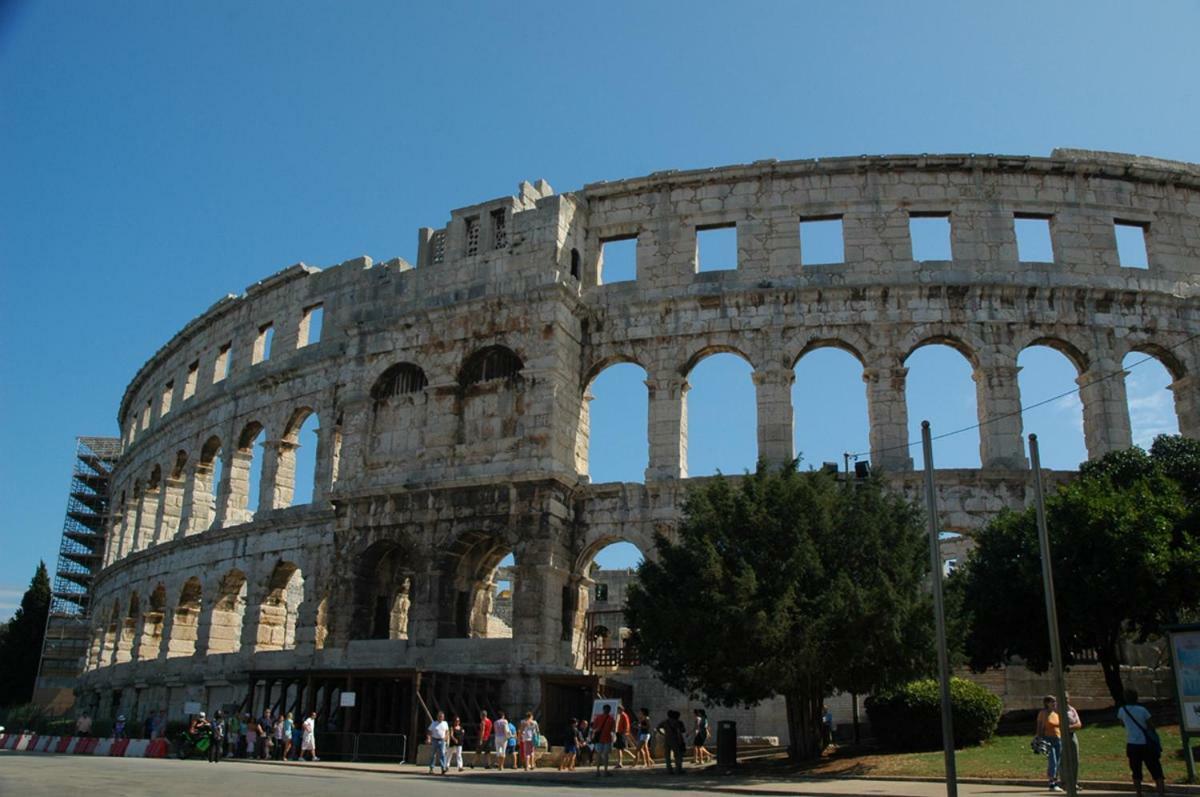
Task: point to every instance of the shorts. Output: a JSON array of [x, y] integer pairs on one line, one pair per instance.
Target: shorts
[[484, 746], [526, 747], [1139, 754], [602, 748], [643, 738], [501, 744], [619, 742]]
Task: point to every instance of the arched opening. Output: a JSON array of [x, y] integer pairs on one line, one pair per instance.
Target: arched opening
[[207, 485], [398, 413], [1151, 402], [150, 644], [491, 363], [829, 406], [594, 617], [229, 610], [721, 415], [612, 443], [251, 448], [296, 473], [1047, 372], [185, 619], [151, 503], [576, 263], [280, 607], [382, 592], [941, 390], [481, 587], [491, 397]]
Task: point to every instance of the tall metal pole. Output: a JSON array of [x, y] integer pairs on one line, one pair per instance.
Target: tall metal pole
[[1056, 661], [935, 557]]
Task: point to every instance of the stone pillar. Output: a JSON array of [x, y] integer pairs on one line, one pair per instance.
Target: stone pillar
[[537, 608], [1105, 408], [329, 446], [1187, 405], [197, 501], [170, 510], [773, 392], [583, 433], [147, 517], [668, 427], [356, 417], [147, 645], [307, 618], [887, 410], [275, 485], [180, 633], [998, 399], [235, 485]]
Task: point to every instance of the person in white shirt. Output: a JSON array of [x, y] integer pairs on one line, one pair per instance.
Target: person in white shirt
[[436, 736], [308, 739], [1141, 742], [501, 730]]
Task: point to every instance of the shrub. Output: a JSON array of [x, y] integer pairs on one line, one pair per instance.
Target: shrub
[[910, 717]]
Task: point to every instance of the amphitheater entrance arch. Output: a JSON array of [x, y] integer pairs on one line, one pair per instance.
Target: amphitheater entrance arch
[[382, 591], [484, 580], [296, 469], [1047, 369], [829, 403], [720, 411], [940, 388], [280, 607], [1152, 375], [229, 610], [594, 601], [612, 441]]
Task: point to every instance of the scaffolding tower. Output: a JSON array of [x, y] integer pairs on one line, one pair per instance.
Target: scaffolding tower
[[80, 555]]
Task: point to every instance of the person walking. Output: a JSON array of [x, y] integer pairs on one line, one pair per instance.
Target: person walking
[[500, 731], [566, 762], [308, 737], [289, 729], [644, 736], [826, 727], [215, 747], [531, 734], [436, 736], [604, 727], [700, 754], [621, 739], [266, 735], [458, 735], [674, 740], [483, 744], [1142, 745], [1048, 727]]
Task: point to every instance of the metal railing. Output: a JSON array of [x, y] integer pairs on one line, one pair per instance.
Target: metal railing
[[362, 746]]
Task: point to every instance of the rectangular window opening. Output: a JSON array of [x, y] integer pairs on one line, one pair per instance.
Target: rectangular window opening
[[1131, 244], [311, 322], [618, 260], [930, 234], [473, 235], [1033, 238], [716, 247], [167, 394], [189, 384], [262, 344], [499, 229], [223, 365], [821, 241]]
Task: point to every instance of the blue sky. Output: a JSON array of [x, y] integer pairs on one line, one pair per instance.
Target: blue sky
[[156, 156]]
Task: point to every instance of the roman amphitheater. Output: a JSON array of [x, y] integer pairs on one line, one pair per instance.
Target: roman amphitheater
[[451, 400]]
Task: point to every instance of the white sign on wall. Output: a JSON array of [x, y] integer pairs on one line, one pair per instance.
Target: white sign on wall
[[347, 699], [191, 707]]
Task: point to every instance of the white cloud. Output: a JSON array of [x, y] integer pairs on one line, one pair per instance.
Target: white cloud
[[1151, 409]]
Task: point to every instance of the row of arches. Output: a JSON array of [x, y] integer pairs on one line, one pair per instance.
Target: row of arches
[[938, 380], [160, 625], [220, 485]]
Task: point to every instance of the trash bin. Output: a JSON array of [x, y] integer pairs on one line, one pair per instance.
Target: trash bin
[[727, 744]]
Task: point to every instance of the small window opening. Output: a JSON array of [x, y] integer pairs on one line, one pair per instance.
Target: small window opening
[[473, 235], [1033, 239], [601, 593], [399, 380], [1131, 244], [618, 260], [930, 234], [716, 247], [438, 245], [224, 363], [189, 383], [167, 394], [575, 263], [821, 241], [311, 322], [262, 344], [495, 362], [499, 229]]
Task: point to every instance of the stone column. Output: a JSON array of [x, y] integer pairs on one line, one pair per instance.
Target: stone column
[[235, 485], [129, 525], [583, 433], [1187, 405], [170, 510], [998, 399], [307, 617], [147, 645], [275, 485], [668, 427], [197, 507], [887, 410], [773, 392], [1105, 408], [329, 445]]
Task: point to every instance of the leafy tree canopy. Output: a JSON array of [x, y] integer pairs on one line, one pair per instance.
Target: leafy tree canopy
[[786, 583], [21, 642], [1125, 549]]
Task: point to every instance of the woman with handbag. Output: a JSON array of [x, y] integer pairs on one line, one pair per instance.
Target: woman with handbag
[[1048, 728], [1142, 745]]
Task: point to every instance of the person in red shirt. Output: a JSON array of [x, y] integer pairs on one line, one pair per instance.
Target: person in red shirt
[[604, 727], [483, 747], [621, 741]]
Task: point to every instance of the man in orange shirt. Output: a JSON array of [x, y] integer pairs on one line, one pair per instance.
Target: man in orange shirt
[[621, 740], [603, 729]]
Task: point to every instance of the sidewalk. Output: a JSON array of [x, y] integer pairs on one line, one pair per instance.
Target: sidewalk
[[710, 780]]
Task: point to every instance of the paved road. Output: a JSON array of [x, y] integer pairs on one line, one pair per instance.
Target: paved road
[[88, 776]]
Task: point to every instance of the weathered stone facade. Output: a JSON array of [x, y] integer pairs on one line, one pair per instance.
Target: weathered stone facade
[[453, 406]]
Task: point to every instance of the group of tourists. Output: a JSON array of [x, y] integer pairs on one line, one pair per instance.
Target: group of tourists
[[586, 742], [1142, 745], [271, 737]]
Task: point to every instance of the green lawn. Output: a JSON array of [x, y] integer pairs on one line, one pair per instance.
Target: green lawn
[[1102, 757]]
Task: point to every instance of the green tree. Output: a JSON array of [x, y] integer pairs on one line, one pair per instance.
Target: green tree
[[786, 583], [1125, 549], [21, 642]]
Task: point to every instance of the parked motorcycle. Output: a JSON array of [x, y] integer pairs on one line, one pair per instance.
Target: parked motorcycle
[[194, 743]]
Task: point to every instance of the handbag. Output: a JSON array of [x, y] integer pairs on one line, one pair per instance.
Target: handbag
[[1040, 745], [1152, 740]]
